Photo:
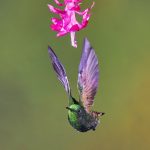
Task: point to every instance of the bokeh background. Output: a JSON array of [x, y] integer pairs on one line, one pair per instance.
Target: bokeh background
[[32, 100]]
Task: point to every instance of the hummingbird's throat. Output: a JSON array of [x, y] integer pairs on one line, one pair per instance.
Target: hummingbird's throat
[[71, 109]]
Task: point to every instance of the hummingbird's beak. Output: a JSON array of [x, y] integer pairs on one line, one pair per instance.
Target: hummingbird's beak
[[68, 108]]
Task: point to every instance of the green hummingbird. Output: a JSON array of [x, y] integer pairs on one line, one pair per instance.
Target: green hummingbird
[[80, 113]]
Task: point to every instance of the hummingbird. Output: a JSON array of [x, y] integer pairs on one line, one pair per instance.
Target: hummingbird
[[80, 113]]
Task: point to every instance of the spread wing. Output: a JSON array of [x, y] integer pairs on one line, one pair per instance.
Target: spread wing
[[88, 75], [59, 69]]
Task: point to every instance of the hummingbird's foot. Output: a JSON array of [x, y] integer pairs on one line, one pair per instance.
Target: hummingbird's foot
[[97, 114], [101, 113], [93, 129]]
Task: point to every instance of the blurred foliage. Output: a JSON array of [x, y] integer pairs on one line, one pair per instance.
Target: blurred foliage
[[32, 101]]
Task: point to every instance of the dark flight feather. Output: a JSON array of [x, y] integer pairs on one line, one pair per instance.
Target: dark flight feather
[[60, 70], [88, 75]]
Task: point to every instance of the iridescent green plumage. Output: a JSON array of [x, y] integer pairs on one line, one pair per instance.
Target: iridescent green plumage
[[80, 114], [80, 119]]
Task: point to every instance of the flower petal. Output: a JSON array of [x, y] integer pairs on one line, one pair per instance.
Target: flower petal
[[55, 10], [67, 23], [55, 27], [56, 21], [75, 28], [58, 3], [61, 33]]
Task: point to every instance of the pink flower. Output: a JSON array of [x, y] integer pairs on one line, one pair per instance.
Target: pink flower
[[67, 23]]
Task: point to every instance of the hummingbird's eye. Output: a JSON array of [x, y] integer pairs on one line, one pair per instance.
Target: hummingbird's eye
[[79, 111]]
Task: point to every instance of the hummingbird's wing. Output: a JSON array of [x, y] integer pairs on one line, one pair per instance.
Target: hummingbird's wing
[[60, 70], [88, 75]]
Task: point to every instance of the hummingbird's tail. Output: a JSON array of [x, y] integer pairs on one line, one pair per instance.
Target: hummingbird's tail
[[97, 114], [60, 70]]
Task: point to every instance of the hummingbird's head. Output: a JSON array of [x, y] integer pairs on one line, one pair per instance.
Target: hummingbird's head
[[75, 109]]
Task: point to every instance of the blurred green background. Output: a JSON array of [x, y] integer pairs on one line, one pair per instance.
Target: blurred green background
[[32, 100]]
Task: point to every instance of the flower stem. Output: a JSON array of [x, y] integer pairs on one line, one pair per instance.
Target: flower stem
[[73, 39]]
